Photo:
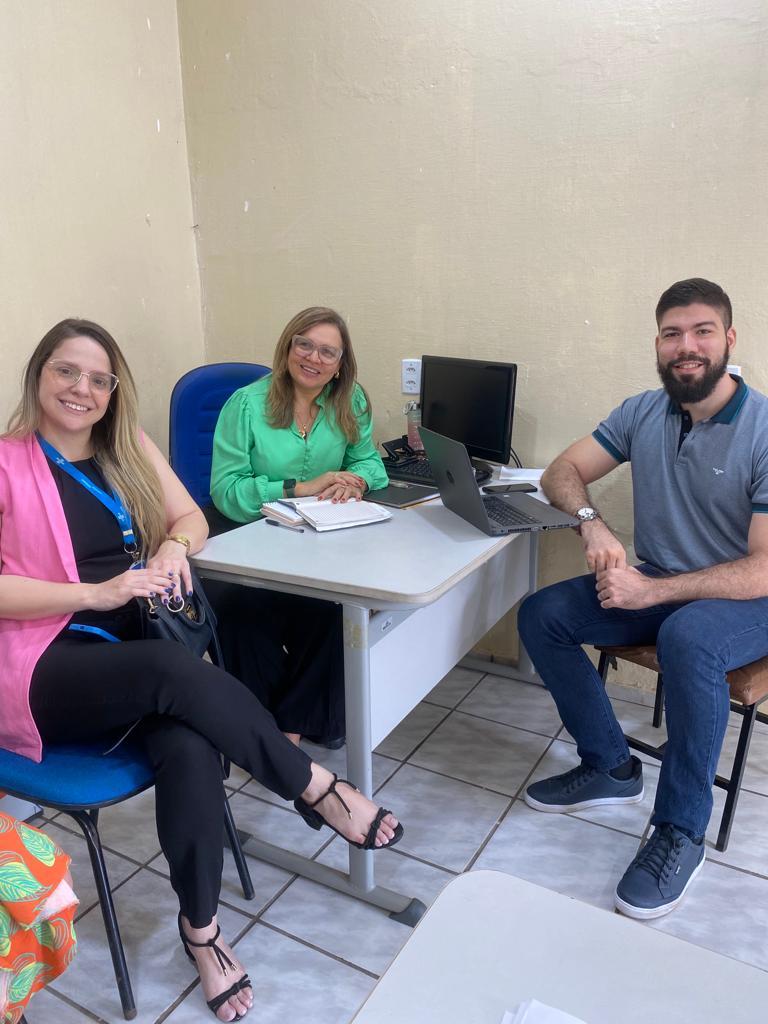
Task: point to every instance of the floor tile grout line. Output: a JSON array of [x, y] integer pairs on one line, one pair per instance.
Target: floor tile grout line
[[494, 828], [495, 721], [75, 1006], [319, 949]]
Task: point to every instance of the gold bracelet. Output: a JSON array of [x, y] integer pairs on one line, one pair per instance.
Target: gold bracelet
[[180, 539]]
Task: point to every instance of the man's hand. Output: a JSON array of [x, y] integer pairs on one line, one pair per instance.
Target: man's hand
[[602, 548], [625, 587]]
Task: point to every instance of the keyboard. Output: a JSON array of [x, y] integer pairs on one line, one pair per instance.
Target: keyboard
[[419, 471], [415, 471], [504, 514]]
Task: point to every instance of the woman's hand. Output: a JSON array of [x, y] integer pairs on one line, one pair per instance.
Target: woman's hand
[[114, 593], [338, 485], [342, 492], [170, 560]]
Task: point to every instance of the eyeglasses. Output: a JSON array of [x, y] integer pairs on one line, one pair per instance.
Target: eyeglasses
[[69, 375], [305, 347]]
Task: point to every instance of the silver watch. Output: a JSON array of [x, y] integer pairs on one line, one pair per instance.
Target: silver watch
[[586, 514]]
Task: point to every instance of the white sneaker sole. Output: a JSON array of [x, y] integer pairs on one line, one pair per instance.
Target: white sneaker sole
[[606, 801], [645, 914]]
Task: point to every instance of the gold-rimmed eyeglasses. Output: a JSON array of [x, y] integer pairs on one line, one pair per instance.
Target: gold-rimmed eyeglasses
[[69, 375], [305, 347]]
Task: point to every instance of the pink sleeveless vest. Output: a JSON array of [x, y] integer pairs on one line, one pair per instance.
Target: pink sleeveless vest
[[34, 542]]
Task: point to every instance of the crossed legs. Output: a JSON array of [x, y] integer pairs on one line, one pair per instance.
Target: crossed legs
[[190, 712]]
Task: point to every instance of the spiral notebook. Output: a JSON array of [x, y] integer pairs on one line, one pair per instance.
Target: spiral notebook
[[325, 515]]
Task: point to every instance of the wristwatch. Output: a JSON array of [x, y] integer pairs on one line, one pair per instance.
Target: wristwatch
[[180, 539], [289, 488], [587, 514]]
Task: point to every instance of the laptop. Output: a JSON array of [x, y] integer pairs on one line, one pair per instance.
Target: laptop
[[494, 514]]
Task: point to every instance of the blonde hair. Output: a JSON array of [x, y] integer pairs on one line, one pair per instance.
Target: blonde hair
[[117, 447], [339, 402]]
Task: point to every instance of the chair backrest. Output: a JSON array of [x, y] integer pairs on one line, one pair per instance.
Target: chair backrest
[[196, 402]]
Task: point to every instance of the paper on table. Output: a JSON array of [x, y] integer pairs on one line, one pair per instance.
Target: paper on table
[[534, 1012], [509, 474], [325, 515]]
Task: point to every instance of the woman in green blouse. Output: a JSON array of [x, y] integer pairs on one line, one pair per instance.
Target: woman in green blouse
[[304, 429]]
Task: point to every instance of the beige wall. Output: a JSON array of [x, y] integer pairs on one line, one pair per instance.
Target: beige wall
[[501, 178], [96, 204]]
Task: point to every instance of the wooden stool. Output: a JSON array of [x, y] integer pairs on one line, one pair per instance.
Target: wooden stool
[[748, 689]]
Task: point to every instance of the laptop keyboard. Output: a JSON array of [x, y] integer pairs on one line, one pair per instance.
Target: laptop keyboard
[[504, 514]]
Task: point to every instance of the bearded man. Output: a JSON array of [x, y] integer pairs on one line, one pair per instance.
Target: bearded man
[[698, 451]]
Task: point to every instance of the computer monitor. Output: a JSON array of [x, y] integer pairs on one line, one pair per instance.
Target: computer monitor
[[471, 401]]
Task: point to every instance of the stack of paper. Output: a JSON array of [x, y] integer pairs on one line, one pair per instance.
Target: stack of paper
[[282, 513], [325, 515]]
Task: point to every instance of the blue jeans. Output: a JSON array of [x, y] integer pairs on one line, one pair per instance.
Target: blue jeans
[[696, 644]]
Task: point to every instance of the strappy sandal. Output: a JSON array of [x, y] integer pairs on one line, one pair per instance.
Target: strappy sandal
[[316, 820], [218, 1001]]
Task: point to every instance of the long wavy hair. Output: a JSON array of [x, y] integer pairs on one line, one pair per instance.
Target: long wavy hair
[[117, 447], [339, 401]]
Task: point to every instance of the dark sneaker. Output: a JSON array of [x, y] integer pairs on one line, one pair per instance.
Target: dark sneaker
[[659, 876], [584, 787]]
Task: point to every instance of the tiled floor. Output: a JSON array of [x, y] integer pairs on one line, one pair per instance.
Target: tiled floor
[[454, 771]]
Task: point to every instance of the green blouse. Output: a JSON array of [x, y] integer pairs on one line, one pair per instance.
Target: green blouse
[[251, 459]]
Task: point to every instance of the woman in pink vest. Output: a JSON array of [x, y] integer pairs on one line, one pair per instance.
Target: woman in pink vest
[[92, 517]]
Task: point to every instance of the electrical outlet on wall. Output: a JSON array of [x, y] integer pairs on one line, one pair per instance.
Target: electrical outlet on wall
[[411, 376], [734, 368]]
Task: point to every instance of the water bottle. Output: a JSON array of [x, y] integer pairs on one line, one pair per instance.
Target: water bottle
[[413, 422]]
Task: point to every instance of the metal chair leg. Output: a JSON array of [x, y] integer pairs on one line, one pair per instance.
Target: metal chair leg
[[116, 950], [737, 773], [237, 852], [658, 704]]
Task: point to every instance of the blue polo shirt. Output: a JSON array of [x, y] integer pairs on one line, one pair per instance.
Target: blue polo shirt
[[693, 501]]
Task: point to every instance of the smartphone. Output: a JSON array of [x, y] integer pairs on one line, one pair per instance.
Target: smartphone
[[509, 488]]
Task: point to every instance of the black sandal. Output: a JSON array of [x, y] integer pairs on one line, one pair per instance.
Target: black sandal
[[218, 1001], [316, 820]]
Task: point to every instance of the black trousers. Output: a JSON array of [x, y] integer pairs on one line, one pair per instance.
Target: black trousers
[[191, 713], [288, 650]]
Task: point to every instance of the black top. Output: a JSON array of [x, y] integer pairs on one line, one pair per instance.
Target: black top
[[100, 554]]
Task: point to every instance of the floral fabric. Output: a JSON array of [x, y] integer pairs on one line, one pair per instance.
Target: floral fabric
[[35, 946]]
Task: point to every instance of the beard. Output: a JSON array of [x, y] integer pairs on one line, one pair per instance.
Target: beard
[[691, 391]]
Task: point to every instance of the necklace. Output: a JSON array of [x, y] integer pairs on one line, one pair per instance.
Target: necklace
[[306, 425]]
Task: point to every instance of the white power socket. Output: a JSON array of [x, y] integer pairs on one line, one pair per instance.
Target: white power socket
[[734, 368], [411, 376]]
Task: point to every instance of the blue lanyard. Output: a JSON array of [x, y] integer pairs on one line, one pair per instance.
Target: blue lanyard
[[79, 627], [113, 502]]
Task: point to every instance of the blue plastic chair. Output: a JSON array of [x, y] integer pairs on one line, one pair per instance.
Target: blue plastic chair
[[196, 402], [78, 779]]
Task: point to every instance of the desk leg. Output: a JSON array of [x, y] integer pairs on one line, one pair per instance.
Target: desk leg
[[359, 883], [357, 688]]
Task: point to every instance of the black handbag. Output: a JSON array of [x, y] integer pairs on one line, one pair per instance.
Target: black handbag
[[188, 620]]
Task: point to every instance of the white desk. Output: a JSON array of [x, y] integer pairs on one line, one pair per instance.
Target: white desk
[[418, 592], [491, 941]]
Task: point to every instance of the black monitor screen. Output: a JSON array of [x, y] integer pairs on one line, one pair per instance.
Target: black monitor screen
[[471, 401]]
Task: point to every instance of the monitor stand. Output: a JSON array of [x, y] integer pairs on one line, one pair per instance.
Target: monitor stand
[[483, 471]]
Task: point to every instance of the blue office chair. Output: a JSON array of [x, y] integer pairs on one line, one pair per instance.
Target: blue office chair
[[196, 402], [78, 779]]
